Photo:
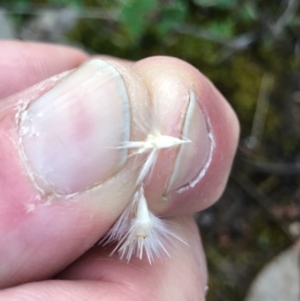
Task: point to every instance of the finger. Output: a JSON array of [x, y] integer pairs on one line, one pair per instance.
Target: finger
[[195, 179], [182, 276], [24, 64], [64, 179]]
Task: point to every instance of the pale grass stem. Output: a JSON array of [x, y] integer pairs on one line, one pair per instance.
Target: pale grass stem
[[138, 230]]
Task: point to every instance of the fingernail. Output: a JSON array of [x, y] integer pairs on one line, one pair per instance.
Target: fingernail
[[70, 135], [191, 157]]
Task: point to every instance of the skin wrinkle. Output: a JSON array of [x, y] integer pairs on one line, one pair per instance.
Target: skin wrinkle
[[93, 290], [130, 285]]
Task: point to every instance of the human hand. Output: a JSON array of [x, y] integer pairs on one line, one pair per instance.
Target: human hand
[[61, 190]]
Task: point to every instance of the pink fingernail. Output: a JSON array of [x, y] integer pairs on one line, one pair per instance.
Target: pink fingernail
[[191, 157], [70, 135]]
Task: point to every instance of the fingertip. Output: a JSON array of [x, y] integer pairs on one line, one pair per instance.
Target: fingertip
[[169, 81]]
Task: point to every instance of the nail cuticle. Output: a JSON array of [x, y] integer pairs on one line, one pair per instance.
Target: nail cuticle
[[192, 160]]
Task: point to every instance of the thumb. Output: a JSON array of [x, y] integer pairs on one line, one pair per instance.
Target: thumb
[[63, 180]]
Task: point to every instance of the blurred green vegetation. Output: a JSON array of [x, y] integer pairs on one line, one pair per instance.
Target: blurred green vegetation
[[235, 44], [209, 35]]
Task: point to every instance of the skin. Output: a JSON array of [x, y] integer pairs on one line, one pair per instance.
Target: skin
[[59, 251]]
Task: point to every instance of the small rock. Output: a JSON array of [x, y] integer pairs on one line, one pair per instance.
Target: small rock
[[279, 280]]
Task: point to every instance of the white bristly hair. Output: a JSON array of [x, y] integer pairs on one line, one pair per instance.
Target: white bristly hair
[[139, 231], [122, 225]]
